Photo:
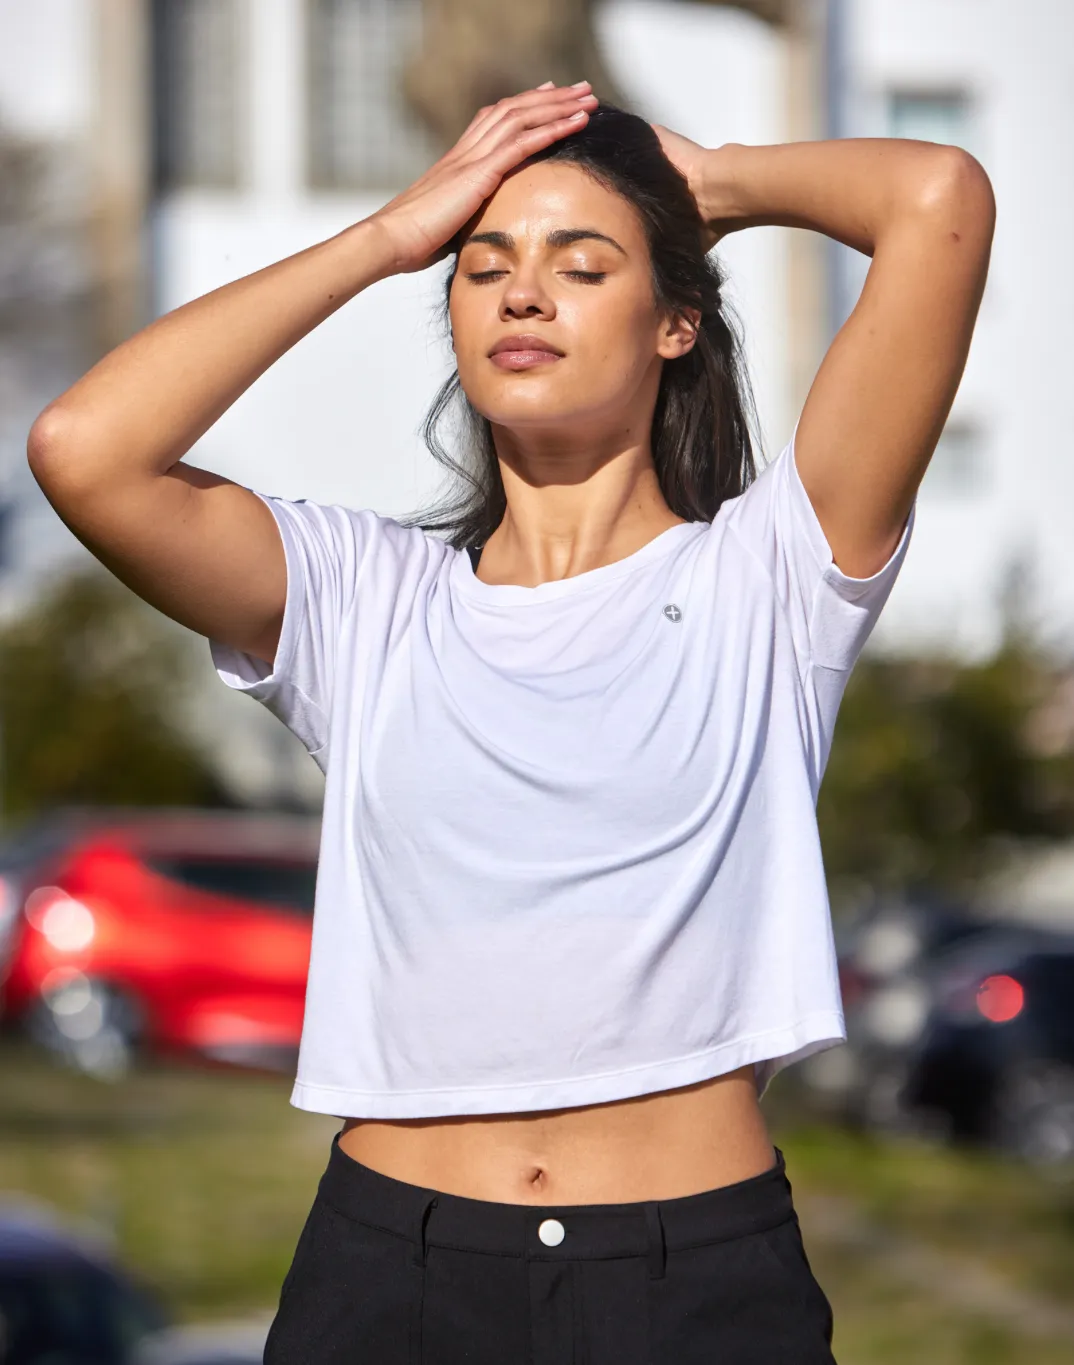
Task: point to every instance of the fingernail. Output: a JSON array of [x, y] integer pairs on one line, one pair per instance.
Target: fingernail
[[578, 84], [545, 84]]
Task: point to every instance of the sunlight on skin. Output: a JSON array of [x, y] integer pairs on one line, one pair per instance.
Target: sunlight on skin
[[572, 431]]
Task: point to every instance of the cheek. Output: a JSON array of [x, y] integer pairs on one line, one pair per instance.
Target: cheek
[[471, 320], [613, 338]]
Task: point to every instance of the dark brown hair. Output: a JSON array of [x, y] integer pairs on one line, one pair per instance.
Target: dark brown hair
[[701, 432]]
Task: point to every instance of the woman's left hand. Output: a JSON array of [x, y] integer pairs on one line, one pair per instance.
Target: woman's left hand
[[700, 167]]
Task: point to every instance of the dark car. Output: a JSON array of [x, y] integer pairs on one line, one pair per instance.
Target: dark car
[[168, 930], [996, 1056], [61, 1300], [883, 952]]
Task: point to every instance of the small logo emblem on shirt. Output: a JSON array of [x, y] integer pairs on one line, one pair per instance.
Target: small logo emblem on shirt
[[672, 612]]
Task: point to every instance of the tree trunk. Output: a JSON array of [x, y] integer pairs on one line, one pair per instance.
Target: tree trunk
[[475, 52], [777, 12]]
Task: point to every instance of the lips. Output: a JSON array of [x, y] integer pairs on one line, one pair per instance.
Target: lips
[[524, 352], [525, 344]]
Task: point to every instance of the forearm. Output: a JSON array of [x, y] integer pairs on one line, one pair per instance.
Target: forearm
[[852, 189], [142, 407]]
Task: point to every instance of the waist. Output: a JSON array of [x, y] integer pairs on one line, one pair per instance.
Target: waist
[[667, 1145], [596, 1230]]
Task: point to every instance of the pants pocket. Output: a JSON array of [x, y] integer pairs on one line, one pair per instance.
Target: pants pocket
[[304, 1238], [785, 1246], [475, 1309], [352, 1294], [747, 1300]]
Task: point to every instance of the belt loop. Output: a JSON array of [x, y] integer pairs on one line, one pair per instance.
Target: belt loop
[[657, 1245], [421, 1244]]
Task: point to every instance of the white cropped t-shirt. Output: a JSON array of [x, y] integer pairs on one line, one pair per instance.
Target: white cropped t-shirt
[[569, 849]]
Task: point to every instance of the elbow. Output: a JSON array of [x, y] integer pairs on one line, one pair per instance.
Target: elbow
[[955, 195], [49, 439], [53, 449]]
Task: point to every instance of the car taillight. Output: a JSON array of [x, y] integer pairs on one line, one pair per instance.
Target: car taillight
[[1000, 998], [970, 997]]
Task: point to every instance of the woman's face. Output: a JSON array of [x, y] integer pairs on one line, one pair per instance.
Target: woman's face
[[556, 256]]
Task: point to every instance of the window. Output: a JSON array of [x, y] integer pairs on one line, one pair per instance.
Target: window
[[957, 467], [932, 116], [362, 136], [1049, 983], [195, 115], [287, 885]]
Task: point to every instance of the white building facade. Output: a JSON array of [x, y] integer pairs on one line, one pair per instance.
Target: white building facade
[[276, 123], [996, 78]]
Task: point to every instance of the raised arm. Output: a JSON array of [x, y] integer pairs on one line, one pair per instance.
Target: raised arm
[[108, 452], [925, 214]]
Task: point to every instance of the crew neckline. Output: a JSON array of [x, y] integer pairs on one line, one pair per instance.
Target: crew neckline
[[663, 543]]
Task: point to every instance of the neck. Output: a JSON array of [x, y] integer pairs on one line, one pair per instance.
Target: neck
[[572, 506]]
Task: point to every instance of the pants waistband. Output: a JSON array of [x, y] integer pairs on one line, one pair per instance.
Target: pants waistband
[[585, 1231]]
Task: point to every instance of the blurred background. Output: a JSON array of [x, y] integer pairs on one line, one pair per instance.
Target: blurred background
[[158, 834]]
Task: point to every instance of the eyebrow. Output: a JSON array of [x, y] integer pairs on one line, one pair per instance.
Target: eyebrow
[[558, 237]]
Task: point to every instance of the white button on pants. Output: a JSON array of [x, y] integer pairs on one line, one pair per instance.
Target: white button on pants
[[551, 1232]]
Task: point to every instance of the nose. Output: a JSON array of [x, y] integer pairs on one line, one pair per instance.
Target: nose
[[525, 296]]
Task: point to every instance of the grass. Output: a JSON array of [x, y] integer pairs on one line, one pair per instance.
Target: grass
[[203, 1179], [1016, 1223], [947, 1255]]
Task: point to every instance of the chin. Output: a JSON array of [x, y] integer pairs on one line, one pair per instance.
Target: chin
[[530, 404], [533, 414]]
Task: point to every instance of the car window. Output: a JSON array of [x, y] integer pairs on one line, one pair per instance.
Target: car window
[[1049, 983], [287, 885]]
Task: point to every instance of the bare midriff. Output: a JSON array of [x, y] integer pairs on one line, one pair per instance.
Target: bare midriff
[[660, 1146]]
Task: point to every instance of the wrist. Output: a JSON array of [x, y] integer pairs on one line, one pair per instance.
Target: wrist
[[721, 192], [371, 245]]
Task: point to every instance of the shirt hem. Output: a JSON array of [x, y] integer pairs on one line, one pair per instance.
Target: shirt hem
[[777, 1048]]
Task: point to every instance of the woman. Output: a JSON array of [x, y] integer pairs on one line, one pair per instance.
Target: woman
[[571, 913]]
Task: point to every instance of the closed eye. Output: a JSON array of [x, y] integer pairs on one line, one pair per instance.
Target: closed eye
[[587, 276]]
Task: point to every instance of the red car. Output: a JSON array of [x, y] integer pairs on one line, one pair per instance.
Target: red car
[[170, 930]]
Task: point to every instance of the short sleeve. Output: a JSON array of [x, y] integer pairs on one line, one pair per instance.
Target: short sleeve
[[831, 614], [324, 547]]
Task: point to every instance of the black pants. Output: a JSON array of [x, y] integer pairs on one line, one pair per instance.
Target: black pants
[[387, 1273]]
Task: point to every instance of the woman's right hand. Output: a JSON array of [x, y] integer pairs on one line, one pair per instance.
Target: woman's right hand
[[108, 452], [420, 223]]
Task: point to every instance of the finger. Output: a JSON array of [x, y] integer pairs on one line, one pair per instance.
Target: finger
[[515, 143], [541, 98], [538, 98], [527, 117]]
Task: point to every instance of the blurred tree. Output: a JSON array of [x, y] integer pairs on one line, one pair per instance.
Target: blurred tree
[[475, 52], [937, 766], [90, 681]]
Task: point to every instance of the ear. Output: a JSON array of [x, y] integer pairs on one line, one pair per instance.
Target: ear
[[678, 333]]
